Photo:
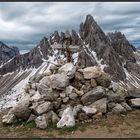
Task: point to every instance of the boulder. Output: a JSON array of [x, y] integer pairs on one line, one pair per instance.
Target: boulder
[[31, 118], [57, 103], [135, 103], [126, 106], [44, 107], [73, 96], [133, 93], [70, 89], [76, 109], [21, 112], [82, 116], [117, 97], [89, 110], [36, 97], [51, 117], [85, 88], [114, 86], [41, 122], [63, 95], [67, 118], [53, 68], [65, 100], [110, 106], [69, 69], [55, 118], [100, 105], [103, 80], [80, 92], [59, 81], [93, 95], [93, 83], [118, 109], [91, 72], [8, 119], [79, 76]]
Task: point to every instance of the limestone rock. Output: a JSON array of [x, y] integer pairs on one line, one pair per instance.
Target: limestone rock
[[89, 110], [65, 100], [93, 83], [100, 105], [69, 69], [135, 102], [67, 119], [79, 76], [31, 118], [93, 95], [41, 122], [91, 72], [76, 109], [44, 107], [59, 81], [118, 109], [126, 106], [8, 119], [103, 80]]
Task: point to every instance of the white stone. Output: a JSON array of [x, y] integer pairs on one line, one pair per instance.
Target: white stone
[[8, 119], [89, 110], [41, 122], [67, 118], [36, 96], [69, 69]]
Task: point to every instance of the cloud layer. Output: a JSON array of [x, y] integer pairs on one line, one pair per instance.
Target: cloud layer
[[27, 23]]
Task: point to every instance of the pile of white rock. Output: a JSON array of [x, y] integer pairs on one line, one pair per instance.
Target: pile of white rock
[[66, 94]]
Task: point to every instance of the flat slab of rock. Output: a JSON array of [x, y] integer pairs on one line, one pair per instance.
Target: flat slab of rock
[[135, 103], [93, 95], [69, 69], [91, 72], [100, 105]]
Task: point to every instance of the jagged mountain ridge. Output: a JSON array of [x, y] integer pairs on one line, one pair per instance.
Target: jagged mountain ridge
[[7, 53], [94, 48]]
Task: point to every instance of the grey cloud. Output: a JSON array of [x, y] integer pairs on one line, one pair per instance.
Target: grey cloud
[[29, 22]]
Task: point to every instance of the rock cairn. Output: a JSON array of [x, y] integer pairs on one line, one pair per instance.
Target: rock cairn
[[65, 94]]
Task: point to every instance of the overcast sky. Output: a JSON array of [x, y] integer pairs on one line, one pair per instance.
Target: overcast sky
[[27, 23]]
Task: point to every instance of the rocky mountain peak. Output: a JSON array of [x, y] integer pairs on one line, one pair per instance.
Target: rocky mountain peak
[[121, 44], [7, 53]]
